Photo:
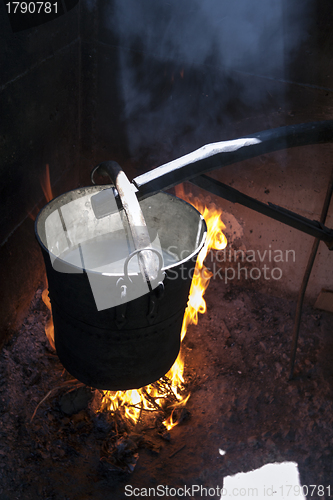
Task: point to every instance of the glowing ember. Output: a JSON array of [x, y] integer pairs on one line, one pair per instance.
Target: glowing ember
[[168, 393]]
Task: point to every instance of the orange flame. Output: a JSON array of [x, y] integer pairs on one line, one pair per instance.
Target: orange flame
[[46, 184], [151, 397], [47, 190], [215, 240], [49, 328]]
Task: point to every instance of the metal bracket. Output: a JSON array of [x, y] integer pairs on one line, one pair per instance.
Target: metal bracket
[[312, 227]]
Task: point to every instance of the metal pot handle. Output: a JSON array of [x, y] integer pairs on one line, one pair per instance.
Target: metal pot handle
[[135, 252]]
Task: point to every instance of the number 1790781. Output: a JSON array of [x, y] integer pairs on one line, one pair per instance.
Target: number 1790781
[[32, 7]]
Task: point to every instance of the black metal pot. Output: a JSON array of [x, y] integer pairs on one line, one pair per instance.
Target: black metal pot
[[109, 343]]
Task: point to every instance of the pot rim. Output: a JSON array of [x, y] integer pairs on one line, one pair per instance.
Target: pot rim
[[118, 275]]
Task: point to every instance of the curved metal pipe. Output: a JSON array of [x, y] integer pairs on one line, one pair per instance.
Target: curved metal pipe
[[221, 154]]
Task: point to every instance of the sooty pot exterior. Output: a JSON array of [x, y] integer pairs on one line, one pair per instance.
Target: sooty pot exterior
[[135, 343]]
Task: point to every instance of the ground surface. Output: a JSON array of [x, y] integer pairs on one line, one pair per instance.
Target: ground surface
[[241, 402]]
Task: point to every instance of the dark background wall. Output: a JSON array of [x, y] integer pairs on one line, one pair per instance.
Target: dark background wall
[[143, 82], [40, 124]]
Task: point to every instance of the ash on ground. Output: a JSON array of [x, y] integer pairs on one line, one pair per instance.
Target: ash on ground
[[237, 367]]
